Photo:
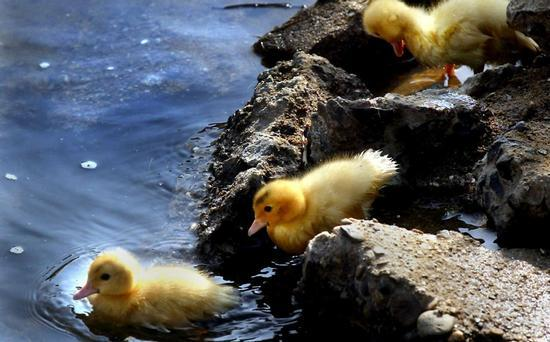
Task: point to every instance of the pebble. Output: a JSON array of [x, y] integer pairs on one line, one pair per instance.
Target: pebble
[[370, 254], [433, 323], [10, 176], [456, 336], [520, 126], [353, 233], [17, 250], [493, 332], [444, 234], [89, 164], [379, 250], [542, 151], [44, 65]]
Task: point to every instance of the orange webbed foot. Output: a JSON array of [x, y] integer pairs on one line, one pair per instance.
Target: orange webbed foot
[[450, 70]]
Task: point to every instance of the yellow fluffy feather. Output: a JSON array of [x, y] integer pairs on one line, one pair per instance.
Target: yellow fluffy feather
[[122, 292], [296, 209], [466, 32]]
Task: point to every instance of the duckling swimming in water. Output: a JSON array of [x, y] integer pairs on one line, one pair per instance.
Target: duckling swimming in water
[[122, 292]]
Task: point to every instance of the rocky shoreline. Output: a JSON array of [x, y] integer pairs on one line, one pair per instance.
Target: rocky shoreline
[[485, 145], [412, 285]]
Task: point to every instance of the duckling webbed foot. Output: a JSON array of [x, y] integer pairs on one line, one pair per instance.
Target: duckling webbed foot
[[450, 70]]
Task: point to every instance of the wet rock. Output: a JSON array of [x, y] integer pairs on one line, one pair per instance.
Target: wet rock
[[512, 178], [477, 293], [531, 17], [489, 80], [434, 135], [432, 323], [263, 140], [513, 186]]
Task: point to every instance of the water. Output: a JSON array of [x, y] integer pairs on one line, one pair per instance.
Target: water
[[129, 86]]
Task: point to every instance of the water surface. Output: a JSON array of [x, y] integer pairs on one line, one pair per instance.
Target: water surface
[[130, 86]]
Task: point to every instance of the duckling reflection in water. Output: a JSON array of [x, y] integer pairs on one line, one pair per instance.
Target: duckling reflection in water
[[427, 78], [122, 292]]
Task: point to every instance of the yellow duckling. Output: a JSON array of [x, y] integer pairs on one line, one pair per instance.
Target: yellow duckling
[[296, 209], [122, 292], [466, 32]]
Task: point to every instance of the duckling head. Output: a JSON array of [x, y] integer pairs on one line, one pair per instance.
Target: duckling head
[[277, 202], [112, 273], [387, 19]]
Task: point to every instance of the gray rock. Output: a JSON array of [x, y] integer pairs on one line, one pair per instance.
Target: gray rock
[[513, 186], [434, 135], [263, 140], [531, 17], [353, 234], [487, 292], [489, 80], [433, 323]]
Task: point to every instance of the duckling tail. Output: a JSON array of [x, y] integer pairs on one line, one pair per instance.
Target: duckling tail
[[386, 167], [227, 298]]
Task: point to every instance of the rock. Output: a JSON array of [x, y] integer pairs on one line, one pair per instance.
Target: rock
[[434, 135], [353, 234], [433, 323], [512, 178], [531, 17], [266, 139], [456, 336], [513, 186], [487, 292], [489, 80]]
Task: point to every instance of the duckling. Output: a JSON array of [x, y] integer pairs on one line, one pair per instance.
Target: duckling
[[296, 209], [122, 292], [466, 32]]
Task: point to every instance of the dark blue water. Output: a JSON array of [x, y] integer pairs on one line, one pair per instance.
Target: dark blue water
[[129, 85]]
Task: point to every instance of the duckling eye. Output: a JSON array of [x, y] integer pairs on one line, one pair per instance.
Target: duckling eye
[[267, 208], [105, 276]]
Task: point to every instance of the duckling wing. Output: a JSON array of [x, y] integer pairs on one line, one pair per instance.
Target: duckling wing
[[175, 295], [340, 187]]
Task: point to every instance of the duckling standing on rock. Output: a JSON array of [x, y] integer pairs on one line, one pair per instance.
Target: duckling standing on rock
[[466, 32], [124, 293], [296, 209]]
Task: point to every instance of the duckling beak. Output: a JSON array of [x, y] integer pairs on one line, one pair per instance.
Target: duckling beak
[[256, 226], [399, 47], [85, 291]]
